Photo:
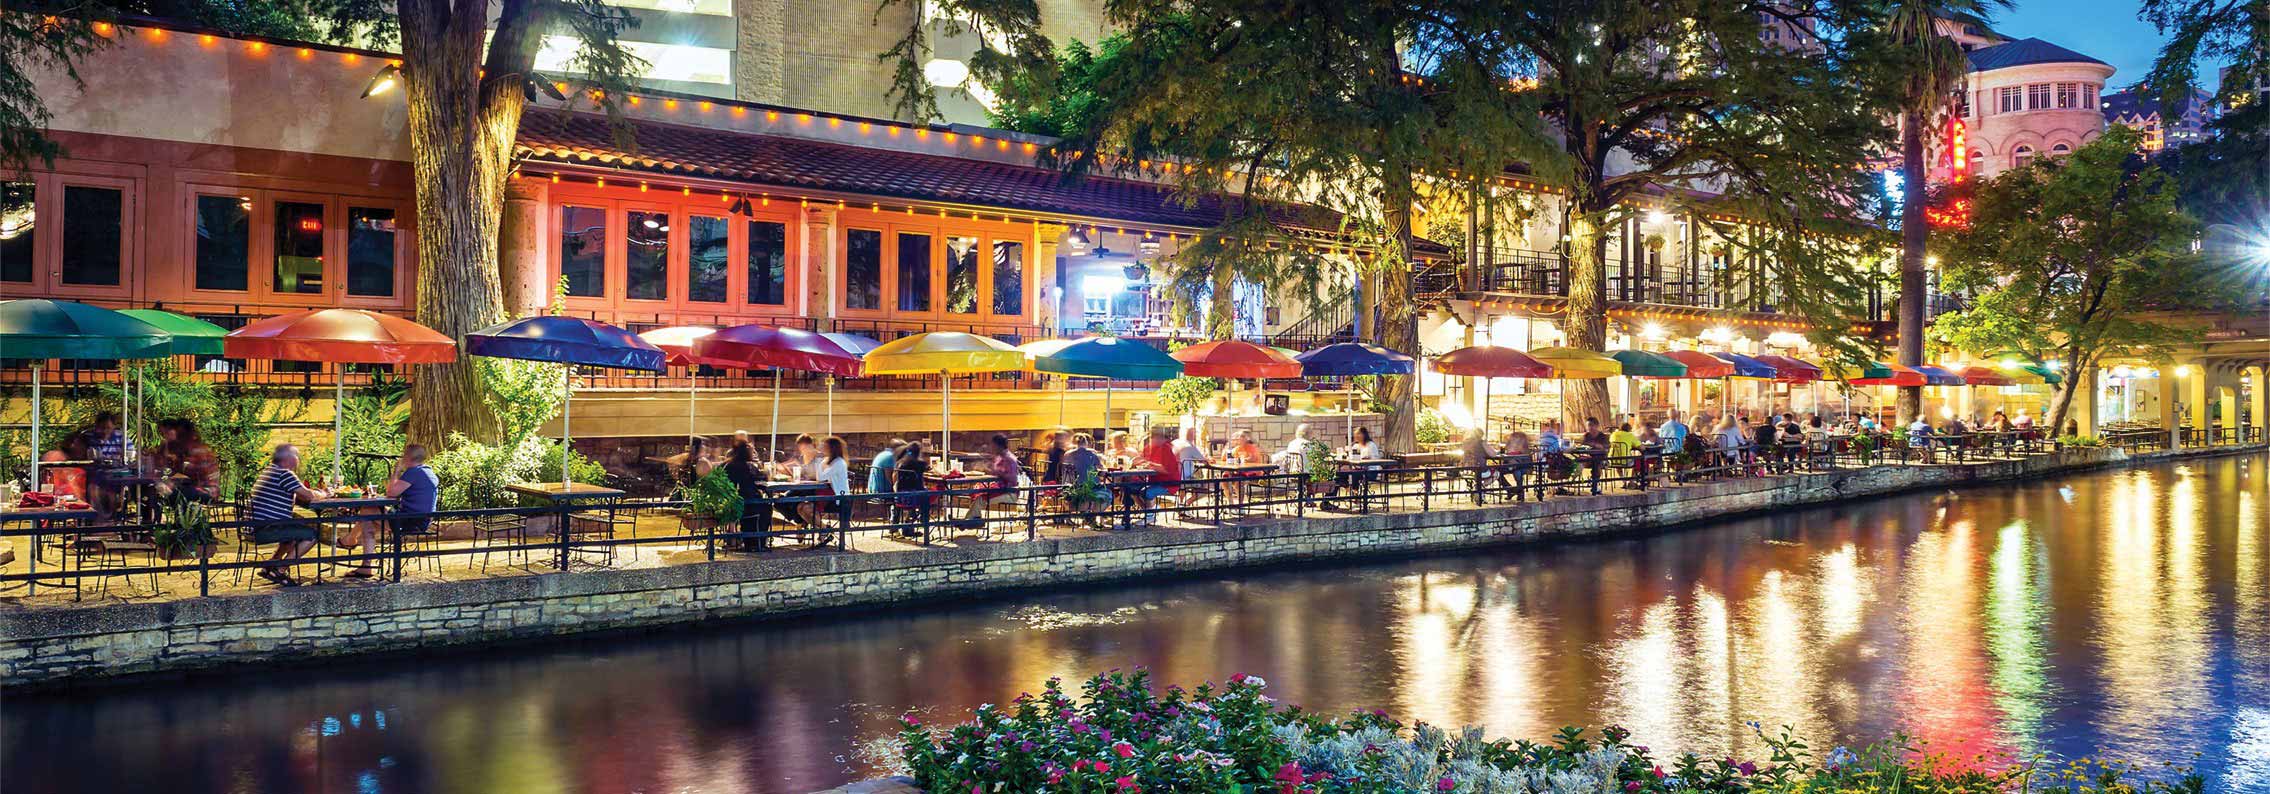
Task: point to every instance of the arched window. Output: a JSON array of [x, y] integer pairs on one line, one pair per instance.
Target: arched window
[[1977, 160], [2060, 150], [2019, 157]]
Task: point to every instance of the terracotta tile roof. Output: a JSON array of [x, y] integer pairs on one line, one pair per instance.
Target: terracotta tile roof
[[778, 161]]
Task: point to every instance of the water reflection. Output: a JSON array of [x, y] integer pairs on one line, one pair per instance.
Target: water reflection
[[2123, 611]]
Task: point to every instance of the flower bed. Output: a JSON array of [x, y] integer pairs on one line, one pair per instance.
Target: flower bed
[[1121, 737]]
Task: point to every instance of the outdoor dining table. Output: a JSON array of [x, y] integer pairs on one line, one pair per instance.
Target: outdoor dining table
[[574, 495], [1257, 472], [45, 518], [1353, 473]]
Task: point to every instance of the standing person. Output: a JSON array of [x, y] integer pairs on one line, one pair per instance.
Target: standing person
[[1001, 487], [881, 472], [274, 495]]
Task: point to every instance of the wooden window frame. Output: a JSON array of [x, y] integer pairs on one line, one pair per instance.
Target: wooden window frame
[[47, 249], [673, 260], [405, 252], [610, 282]]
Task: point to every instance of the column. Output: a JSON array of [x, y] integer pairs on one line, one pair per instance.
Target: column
[[819, 268], [2169, 394], [2083, 410], [2255, 404], [1048, 296], [521, 269], [2195, 393]]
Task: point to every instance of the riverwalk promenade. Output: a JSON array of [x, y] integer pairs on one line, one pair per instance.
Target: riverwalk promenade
[[159, 623]]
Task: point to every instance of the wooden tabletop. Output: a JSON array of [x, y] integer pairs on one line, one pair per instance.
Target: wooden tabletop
[[792, 486], [558, 492]]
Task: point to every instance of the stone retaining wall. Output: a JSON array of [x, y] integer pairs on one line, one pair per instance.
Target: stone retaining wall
[[49, 646]]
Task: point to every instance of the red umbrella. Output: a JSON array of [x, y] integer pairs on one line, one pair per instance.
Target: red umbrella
[[1230, 358], [763, 346], [1487, 361], [1790, 370], [340, 336], [1986, 376], [1702, 365], [1490, 361]]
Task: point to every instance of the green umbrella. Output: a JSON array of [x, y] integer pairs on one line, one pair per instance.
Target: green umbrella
[[1643, 364], [191, 336], [1099, 357], [39, 329]]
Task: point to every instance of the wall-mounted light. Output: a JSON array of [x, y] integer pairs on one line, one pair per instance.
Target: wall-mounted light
[[384, 81]]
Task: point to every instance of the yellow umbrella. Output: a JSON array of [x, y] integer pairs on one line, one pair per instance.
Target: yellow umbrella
[[1569, 362], [2018, 373], [946, 354]]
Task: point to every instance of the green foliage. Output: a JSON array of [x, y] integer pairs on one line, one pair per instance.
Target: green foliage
[[716, 496], [2229, 32], [1181, 395], [474, 475], [524, 394], [1432, 428], [373, 419], [187, 529], [233, 421], [1118, 735], [1087, 491], [2064, 258], [2079, 441], [1317, 464]]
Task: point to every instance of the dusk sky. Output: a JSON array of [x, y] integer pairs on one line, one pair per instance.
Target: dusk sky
[[2107, 30]]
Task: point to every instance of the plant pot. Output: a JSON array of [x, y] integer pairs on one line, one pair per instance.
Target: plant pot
[[204, 552], [695, 522]]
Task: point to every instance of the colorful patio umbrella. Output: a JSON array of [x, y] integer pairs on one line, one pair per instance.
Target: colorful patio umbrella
[[756, 346], [1569, 362], [945, 354], [2019, 375], [1878, 373], [1976, 375], [2019, 367], [1790, 370], [342, 337], [1234, 359], [191, 337], [1645, 364], [1487, 362], [1353, 359], [570, 341], [1105, 357], [1700, 364], [677, 344], [1747, 367], [38, 329], [1938, 376], [858, 347]]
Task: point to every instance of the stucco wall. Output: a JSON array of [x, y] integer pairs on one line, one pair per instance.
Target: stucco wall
[[64, 645]]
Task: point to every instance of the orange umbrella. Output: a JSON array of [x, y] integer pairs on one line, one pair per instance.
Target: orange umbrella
[[340, 336]]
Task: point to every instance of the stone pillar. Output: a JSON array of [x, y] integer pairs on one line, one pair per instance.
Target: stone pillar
[[1048, 298], [2083, 410], [2195, 394], [2169, 394], [521, 269], [819, 269], [2255, 404]]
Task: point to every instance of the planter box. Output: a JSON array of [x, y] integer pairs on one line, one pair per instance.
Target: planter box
[[204, 552]]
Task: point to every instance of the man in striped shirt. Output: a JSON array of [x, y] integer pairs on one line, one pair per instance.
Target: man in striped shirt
[[270, 509]]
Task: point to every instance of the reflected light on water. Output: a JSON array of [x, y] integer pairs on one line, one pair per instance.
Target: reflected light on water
[[2121, 614]]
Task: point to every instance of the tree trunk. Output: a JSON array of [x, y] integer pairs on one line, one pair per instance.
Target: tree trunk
[[461, 128], [1398, 315], [1586, 322], [2061, 403], [1914, 231], [1221, 304]]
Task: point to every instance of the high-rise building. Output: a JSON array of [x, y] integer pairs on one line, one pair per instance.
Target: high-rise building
[[2162, 127]]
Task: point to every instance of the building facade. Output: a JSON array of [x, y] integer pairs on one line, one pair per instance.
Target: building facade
[[2025, 98], [2162, 128]]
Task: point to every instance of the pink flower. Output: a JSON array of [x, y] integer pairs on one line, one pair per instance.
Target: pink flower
[[1748, 768], [1445, 784], [1123, 750], [1102, 768], [910, 721], [974, 788], [1126, 783], [1632, 786], [1056, 776], [1659, 773]]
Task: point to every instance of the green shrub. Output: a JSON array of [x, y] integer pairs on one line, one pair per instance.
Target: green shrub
[[1182, 394], [716, 496], [1432, 427], [475, 475]]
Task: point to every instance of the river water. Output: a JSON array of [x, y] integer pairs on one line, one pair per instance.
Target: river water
[[2123, 614]]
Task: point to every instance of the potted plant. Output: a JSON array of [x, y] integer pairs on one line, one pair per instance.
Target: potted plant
[[1654, 242], [1320, 469], [186, 533], [1087, 495], [712, 501]]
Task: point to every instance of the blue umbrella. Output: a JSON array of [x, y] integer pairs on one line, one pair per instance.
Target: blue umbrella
[[571, 341], [1747, 367], [1939, 376], [1347, 359], [1353, 358]]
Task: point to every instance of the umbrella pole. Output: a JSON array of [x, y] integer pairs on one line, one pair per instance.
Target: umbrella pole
[[693, 383], [1063, 395], [946, 421], [1107, 384], [773, 446], [567, 420], [339, 425], [38, 366], [831, 405]]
